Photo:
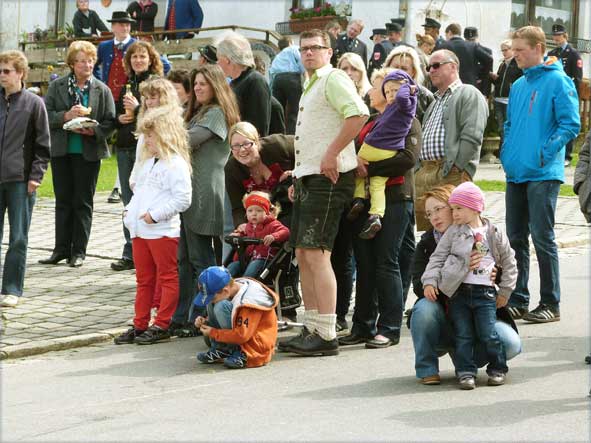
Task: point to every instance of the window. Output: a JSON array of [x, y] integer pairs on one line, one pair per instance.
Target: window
[[545, 13]]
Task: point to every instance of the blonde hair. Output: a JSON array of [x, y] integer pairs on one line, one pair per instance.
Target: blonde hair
[[380, 73], [405, 52], [356, 63], [80, 46], [169, 129], [441, 193], [425, 40], [16, 59], [165, 91], [507, 43], [245, 129], [532, 35]]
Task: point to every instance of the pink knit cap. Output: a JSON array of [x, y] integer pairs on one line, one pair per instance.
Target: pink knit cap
[[468, 195]]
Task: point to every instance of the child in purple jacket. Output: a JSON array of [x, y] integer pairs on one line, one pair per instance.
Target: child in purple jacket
[[385, 139]]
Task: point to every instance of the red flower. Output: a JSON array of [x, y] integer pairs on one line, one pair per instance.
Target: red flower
[[317, 9], [477, 237]]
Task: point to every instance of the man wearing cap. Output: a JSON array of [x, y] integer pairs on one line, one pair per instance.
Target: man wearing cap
[[348, 41], [432, 28], [394, 34], [469, 54], [483, 83], [381, 49], [241, 320], [208, 55], [573, 67]]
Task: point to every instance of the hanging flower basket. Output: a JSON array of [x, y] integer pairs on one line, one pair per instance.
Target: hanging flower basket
[[305, 24]]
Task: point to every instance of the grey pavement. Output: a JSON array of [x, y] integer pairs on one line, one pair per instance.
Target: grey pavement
[[69, 307]]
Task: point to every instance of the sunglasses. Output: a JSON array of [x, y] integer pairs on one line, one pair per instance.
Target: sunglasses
[[6, 71], [436, 65]]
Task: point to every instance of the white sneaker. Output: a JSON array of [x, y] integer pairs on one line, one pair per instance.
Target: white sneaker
[[9, 301]]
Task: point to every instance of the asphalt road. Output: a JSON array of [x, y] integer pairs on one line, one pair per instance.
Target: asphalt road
[[161, 393]]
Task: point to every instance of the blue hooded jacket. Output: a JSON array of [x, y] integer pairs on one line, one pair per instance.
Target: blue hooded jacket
[[542, 117]]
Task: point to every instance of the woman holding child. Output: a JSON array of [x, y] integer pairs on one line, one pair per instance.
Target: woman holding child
[[431, 329], [211, 112]]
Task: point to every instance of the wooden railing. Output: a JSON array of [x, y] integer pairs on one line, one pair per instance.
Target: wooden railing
[[48, 57]]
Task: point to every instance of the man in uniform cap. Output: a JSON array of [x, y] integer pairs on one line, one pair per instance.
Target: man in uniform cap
[[208, 55], [381, 49], [432, 28], [573, 67], [394, 33], [483, 83]]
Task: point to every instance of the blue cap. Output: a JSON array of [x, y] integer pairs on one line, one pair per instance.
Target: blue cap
[[211, 281]]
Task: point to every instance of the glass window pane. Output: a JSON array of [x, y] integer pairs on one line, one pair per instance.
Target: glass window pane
[[518, 14], [550, 12]]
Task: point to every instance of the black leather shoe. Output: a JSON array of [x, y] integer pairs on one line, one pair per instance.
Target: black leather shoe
[[314, 345], [54, 259], [383, 342], [285, 345], [122, 264], [114, 197], [76, 262], [352, 339], [357, 207]]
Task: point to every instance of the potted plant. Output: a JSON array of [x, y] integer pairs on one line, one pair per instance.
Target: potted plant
[[303, 19]]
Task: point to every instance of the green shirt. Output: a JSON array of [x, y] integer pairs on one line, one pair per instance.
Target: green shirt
[[340, 91], [75, 143]]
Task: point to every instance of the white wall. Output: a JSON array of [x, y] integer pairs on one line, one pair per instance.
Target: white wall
[[18, 16]]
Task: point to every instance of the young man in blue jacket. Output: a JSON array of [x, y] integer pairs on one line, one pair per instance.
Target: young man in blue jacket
[[542, 117]]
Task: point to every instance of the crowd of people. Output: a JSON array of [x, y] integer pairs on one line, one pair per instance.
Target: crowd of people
[[359, 165]]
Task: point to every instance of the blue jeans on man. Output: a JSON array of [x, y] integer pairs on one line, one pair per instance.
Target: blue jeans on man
[[433, 337], [15, 198], [531, 207], [473, 310], [219, 316]]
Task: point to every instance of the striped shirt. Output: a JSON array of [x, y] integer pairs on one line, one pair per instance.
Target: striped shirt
[[434, 129]]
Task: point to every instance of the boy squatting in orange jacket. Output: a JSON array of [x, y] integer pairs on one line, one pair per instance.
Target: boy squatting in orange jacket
[[262, 225], [241, 321]]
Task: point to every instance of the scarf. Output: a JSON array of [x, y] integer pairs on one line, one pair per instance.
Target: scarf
[[76, 94]]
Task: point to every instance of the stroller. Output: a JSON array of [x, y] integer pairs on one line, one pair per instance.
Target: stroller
[[280, 273]]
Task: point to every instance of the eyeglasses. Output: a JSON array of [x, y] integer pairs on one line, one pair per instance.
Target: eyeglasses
[[6, 71], [245, 145], [430, 214], [314, 48], [436, 65]]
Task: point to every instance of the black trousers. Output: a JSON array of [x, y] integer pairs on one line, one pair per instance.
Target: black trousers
[[287, 89], [342, 265], [74, 184]]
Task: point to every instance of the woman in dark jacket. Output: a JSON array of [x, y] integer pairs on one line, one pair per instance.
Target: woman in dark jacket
[[383, 263], [76, 155], [506, 75], [140, 62], [143, 12], [430, 327]]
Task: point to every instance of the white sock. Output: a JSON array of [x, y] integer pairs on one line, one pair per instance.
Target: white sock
[[326, 326], [310, 319]]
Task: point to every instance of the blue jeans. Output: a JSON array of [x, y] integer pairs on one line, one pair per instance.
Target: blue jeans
[[433, 337], [531, 207], [125, 161], [473, 310], [253, 269], [379, 284], [195, 254], [15, 198], [219, 316]]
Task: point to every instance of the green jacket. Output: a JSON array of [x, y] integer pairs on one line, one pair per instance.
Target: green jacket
[[464, 119]]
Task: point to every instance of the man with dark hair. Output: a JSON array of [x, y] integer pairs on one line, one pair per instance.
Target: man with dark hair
[[432, 28], [572, 65], [331, 114], [469, 54], [24, 144], [394, 34], [348, 41]]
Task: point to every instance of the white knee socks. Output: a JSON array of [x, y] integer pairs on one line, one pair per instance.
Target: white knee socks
[[310, 319], [326, 326]]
